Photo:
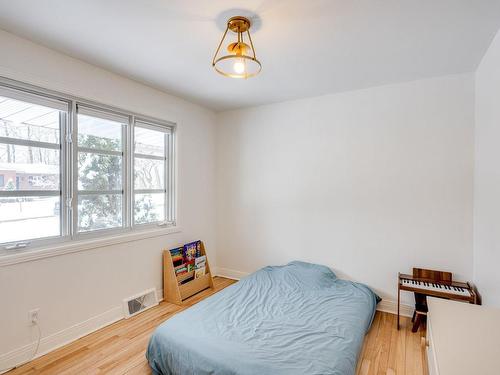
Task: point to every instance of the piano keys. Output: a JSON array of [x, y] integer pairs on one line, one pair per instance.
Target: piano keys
[[429, 286]]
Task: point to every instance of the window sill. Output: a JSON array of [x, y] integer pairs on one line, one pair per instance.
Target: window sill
[[76, 246]]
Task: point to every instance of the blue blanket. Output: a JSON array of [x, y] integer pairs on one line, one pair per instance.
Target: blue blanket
[[293, 319]]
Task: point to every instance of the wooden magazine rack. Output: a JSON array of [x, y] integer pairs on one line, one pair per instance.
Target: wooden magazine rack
[[173, 290]]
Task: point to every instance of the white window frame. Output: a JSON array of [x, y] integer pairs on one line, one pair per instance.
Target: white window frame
[[125, 121], [63, 106], [167, 158], [69, 167]]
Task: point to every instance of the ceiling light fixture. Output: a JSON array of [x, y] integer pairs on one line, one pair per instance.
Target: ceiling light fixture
[[241, 61]]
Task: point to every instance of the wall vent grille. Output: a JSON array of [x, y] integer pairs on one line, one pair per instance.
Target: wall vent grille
[[140, 302]]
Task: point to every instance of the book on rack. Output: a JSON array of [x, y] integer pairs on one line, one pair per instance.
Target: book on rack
[[200, 266], [192, 250], [177, 255], [200, 261], [190, 265], [199, 272], [181, 269]]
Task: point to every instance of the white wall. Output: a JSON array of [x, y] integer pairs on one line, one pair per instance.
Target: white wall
[[487, 177], [74, 288], [369, 182]]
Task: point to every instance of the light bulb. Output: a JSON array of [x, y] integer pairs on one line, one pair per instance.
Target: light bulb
[[239, 66]]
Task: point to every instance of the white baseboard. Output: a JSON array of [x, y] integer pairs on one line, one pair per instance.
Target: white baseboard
[[49, 343], [392, 307], [385, 305], [52, 342], [230, 274]]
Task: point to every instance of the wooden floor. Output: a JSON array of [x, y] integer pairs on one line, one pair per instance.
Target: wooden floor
[[120, 347], [389, 351]]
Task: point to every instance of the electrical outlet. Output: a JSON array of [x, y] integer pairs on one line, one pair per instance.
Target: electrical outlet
[[33, 315]]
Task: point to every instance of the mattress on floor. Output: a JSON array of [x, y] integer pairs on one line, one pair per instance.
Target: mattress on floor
[[293, 319]]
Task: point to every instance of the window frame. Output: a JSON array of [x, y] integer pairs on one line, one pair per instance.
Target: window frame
[[62, 105], [97, 112], [167, 177], [69, 167]]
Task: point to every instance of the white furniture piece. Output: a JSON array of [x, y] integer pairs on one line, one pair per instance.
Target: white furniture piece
[[462, 339]]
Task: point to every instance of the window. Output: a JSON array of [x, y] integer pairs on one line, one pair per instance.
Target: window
[[70, 169], [30, 163], [151, 177], [100, 170]]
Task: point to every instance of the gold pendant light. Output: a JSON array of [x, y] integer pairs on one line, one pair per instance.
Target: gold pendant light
[[241, 61]]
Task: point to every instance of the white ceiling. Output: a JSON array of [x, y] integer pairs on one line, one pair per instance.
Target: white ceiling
[[307, 47]]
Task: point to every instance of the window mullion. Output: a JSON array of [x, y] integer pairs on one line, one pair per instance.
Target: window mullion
[[170, 152], [150, 191], [29, 193], [166, 180], [90, 150], [29, 143], [150, 157], [73, 170], [100, 192], [63, 183], [65, 209], [130, 191]]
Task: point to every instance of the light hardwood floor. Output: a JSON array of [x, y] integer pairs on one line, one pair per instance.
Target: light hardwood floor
[[120, 347]]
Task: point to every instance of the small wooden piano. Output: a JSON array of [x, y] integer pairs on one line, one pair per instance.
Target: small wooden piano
[[425, 282]]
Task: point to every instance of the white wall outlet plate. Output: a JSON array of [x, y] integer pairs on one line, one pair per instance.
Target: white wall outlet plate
[[34, 315]]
